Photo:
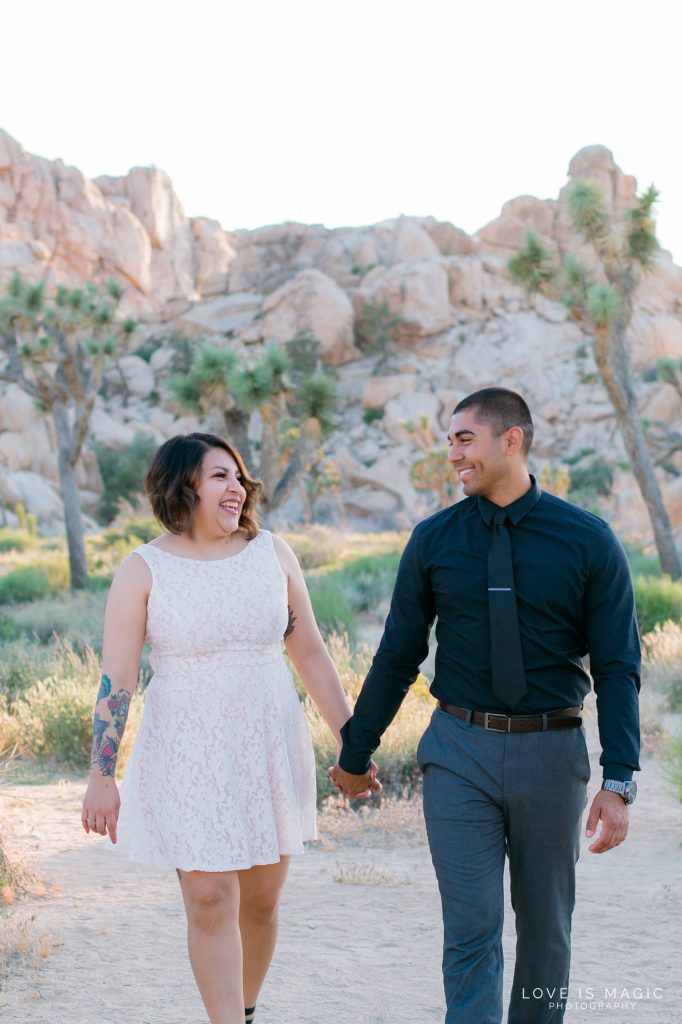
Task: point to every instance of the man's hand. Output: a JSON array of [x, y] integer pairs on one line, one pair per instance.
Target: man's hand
[[355, 785], [614, 814]]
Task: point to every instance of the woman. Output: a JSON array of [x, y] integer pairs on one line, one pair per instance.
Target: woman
[[220, 784]]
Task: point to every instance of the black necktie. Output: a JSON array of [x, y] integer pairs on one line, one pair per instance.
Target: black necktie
[[506, 657]]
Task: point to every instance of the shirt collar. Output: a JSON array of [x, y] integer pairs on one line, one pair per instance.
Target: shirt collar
[[517, 510]]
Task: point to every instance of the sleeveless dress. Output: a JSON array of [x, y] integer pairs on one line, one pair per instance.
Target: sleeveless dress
[[222, 773]]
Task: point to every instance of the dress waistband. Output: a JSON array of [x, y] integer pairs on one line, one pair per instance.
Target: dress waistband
[[212, 661]]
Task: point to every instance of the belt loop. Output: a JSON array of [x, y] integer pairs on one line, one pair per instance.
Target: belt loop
[[468, 716], [544, 722]]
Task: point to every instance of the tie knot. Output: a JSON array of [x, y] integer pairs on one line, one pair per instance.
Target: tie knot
[[500, 517]]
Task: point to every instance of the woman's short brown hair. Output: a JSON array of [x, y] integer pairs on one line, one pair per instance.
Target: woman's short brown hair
[[173, 475]]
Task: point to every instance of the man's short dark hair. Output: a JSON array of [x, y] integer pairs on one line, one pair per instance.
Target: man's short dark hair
[[502, 409]]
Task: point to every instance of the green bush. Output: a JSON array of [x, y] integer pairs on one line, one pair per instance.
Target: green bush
[[642, 563], [14, 540], [672, 763], [588, 483], [396, 756], [123, 473], [331, 605], [369, 579], [658, 600], [26, 584], [76, 617], [21, 665]]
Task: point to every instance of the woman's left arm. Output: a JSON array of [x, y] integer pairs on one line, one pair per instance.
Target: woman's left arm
[[306, 647]]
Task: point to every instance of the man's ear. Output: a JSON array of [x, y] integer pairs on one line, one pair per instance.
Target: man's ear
[[514, 440]]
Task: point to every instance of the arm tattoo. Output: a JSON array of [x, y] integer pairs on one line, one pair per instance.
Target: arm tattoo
[[111, 713], [290, 624]]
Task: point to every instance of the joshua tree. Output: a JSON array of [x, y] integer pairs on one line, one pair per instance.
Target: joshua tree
[[601, 298], [55, 347], [293, 396], [431, 472]]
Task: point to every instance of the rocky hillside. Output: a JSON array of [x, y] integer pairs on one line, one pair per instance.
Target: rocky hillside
[[457, 324]]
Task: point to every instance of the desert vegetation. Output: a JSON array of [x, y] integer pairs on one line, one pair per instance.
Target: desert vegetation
[[51, 640]]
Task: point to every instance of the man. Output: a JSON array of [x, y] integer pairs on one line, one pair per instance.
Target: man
[[523, 585]]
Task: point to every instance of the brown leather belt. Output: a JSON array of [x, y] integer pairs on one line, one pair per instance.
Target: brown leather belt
[[565, 718]]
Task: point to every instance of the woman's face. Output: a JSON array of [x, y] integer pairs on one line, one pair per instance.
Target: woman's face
[[221, 493]]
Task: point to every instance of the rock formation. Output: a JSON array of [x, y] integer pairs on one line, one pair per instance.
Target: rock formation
[[456, 324]]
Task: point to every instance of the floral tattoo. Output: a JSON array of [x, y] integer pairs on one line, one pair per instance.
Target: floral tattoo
[[290, 624], [111, 714]]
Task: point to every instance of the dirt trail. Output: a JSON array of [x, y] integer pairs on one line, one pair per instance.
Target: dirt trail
[[360, 938]]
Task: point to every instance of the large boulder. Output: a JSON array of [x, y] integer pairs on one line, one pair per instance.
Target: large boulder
[[18, 410], [380, 390], [312, 302], [597, 164], [449, 240], [213, 254], [410, 410], [38, 496], [508, 231], [653, 338], [226, 315], [415, 293]]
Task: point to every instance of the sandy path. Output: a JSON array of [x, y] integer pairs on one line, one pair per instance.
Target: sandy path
[[360, 938]]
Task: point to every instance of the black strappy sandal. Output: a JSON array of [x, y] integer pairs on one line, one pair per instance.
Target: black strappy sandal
[[248, 1014]]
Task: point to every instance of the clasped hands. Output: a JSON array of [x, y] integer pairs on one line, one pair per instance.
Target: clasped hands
[[353, 786]]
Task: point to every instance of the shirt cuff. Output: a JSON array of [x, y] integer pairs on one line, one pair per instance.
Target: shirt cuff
[[618, 772], [354, 763]]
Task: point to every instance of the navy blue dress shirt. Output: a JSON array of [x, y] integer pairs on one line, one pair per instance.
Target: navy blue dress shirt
[[574, 596]]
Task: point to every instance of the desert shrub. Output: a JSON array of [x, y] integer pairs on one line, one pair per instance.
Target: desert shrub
[[331, 604], [316, 547], [55, 565], [588, 483], [376, 328], [14, 540], [21, 665], [369, 579], [396, 757], [75, 617], [52, 718], [25, 584], [662, 661], [672, 763], [658, 600], [123, 473], [642, 563], [8, 628]]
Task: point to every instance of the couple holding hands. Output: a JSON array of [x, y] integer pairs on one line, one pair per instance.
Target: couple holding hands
[[220, 784]]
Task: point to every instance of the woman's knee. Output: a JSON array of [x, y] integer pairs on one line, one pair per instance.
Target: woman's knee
[[210, 900], [261, 905]]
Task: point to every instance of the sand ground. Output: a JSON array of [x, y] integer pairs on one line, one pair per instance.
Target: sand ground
[[360, 938]]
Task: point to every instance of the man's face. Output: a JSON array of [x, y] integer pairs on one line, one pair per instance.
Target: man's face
[[477, 454]]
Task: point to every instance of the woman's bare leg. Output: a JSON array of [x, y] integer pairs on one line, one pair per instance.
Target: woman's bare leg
[[215, 947], [260, 888]]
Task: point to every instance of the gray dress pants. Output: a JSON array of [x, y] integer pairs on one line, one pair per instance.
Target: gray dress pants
[[487, 794]]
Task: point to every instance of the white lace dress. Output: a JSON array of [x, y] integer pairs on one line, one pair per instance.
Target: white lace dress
[[222, 772]]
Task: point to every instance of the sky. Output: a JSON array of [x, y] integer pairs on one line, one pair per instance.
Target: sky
[[350, 113]]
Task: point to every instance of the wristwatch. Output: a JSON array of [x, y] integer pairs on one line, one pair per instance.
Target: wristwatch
[[628, 790]]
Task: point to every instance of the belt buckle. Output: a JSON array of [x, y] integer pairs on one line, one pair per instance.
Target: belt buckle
[[491, 728]]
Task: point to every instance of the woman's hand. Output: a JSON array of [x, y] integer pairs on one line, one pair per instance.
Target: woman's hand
[[101, 805]]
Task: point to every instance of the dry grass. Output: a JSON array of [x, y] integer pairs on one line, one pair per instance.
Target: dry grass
[[662, 664], [396, 756], [24, 943], [366, 873], [383, 821]]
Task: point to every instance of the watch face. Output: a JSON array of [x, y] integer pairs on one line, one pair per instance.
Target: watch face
[[631, 792]]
